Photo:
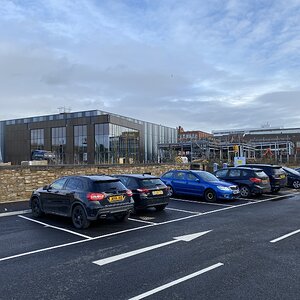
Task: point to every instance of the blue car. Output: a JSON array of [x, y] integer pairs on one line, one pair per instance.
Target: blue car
[[199, 183]]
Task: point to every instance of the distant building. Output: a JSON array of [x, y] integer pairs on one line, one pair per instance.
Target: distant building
[[276, 140], [188, 136], [86, 137]]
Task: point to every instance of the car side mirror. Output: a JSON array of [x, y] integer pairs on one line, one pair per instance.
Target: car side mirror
[[47, 187]]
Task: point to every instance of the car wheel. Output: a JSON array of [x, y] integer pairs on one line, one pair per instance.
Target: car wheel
[[210, 195], [171, 191], [160, 207], [79, 218], [121, 217], [245, 191], [296, 184], [36, 208]]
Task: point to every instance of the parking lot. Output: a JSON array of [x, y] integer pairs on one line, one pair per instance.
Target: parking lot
[[246, 248]]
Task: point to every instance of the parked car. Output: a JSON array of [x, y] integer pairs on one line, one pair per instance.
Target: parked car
[[147, 190], [277, 176], [251, 181], [83, 198], [43, 155], [293, 177], [199, 183]]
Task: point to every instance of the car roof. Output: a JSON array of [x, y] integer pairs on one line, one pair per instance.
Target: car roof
[[138, 176], [95, 177], [242, 168], [263, 165]]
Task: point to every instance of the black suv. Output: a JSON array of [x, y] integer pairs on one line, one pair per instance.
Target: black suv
[[83, 198], [277, 176], [251, 181], [148, 190]]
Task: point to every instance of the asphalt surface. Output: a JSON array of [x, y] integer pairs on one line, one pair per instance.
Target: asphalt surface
[[238, 255]]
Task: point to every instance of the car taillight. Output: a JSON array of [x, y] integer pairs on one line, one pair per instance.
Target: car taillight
[[95, 196], [255, 180], [129, 193], [143, 190]]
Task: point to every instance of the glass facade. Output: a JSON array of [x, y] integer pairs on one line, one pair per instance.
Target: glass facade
[[58, 143], [85, 137], [37, 139], [116, 144], [80, 144]]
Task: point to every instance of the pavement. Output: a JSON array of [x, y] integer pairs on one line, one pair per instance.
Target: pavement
[[8, 207]]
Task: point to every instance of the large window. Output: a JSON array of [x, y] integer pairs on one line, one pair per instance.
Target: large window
[[80, 144], [59, 139], [116, 144], [37, 140]]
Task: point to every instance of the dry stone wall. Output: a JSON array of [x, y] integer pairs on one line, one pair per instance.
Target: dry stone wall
[[18, 182]]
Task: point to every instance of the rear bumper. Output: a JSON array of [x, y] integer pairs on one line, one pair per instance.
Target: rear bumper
[[261, 189], [150, 202], [103, 212]]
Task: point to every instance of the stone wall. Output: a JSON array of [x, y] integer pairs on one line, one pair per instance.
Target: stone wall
[[18, 182]]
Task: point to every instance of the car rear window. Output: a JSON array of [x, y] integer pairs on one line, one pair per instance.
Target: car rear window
[[260, 174], [151, 182], [278, 171], [108, 186]]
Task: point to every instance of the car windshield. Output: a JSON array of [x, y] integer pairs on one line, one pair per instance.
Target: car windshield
[[291, 171], [151, 182], [108, 186], [206, 176]]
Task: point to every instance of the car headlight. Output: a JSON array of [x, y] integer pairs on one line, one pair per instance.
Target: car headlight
[[223, 188]]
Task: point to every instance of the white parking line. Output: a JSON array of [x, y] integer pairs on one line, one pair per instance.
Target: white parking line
[[209, 203], [141, 221], [170, 284], [54, 227], [185, 211], [285, 236], [135, 229], [15, 213]]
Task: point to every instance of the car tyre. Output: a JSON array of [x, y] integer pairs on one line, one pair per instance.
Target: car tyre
[[210, 195], [296, 184], [160, 207], [36, 208], [79, 218], [245, 191], [121, 217]]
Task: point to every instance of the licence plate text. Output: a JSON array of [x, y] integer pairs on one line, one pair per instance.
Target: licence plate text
[[116, 198], [157, 193]]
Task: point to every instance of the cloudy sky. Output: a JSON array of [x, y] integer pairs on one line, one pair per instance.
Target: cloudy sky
[[204, 65]]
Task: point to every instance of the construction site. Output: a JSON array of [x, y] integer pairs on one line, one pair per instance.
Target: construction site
[[257, 145]]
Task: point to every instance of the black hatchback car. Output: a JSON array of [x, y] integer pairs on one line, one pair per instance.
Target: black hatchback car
[[277, 176], [147, 190], [84, 199], [251, 181]]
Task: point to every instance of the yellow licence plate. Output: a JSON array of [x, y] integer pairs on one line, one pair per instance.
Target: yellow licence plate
[[157, 193], [264, 181], [116, 198], [282, 176]]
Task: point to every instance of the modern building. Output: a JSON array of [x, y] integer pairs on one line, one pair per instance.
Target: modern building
[[86, 137]]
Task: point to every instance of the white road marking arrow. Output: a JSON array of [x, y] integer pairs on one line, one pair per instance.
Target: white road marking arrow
[[184, 238]]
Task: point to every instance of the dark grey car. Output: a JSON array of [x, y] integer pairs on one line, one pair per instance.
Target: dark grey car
[[83, 198]]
